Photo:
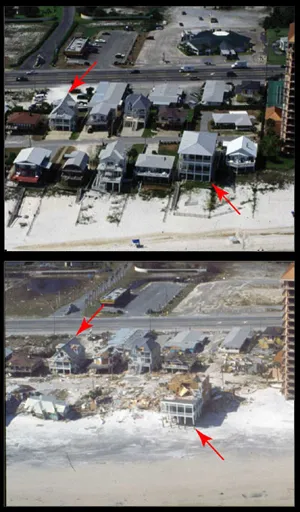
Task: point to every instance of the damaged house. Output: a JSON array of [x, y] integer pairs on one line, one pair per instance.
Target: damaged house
[[46, 407], [68, 358], [24, 364], [189, 397], [106, 360], [145, 355]]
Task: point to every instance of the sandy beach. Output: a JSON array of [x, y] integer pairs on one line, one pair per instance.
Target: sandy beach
[[130, 459], [59, 223]]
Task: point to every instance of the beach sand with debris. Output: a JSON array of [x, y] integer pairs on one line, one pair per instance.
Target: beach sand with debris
[[129, 458]]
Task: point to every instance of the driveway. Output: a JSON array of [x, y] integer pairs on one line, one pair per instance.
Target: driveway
[[205, 117], [47, 49]]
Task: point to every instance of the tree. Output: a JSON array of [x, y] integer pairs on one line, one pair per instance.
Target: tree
[[89, 91], [270, 146], [270, 126], [101, 13], [156, 15], [132, 153]]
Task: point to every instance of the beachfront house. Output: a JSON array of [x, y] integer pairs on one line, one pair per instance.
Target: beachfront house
[[136, 111], [32, 165], [240, 154], [111, 168], [154, 168], [75, 167], [21, 364], [197, 152], [64, 115], [68, 358]]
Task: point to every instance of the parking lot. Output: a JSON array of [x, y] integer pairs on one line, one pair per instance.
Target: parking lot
[[154, 296], [119, 41], [163, 49]]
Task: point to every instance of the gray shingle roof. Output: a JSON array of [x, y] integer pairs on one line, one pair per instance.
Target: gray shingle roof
[[155, 161], [108, 92], [136, 101], [237, 118], [77, 159], [198, 143], [64, 109], [213, 91], [236, 337], [164, 94]]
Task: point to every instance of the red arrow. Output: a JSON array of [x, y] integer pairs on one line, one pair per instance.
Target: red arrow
[[85, 323], [222, 193], [205, 439], [78, 81]]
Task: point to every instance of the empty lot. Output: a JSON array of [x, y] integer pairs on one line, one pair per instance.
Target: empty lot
[[154, 296], [20, 38]]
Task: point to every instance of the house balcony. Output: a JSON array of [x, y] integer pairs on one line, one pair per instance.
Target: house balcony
[[232, 162], [153, 173]]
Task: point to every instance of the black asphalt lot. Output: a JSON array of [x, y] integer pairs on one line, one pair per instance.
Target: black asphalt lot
[[119, 41], [154, 296], [47, 49]]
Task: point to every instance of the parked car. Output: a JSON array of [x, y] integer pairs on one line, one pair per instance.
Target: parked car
[[72, 309], [22, 79], [100, 41], [214, 20], [181, 24], [183, 12], [75, 91], [134, 71], [120, 55], [90, 129], [151, 37], [200, 18], [106, 33]]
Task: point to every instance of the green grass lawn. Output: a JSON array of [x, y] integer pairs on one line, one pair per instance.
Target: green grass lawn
[[139, 147], [55, 10], [282, 163], [148, 132], [272, 36], [74, 135]]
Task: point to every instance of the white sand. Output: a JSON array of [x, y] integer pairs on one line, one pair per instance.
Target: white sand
[[55, 227], [163, 466]]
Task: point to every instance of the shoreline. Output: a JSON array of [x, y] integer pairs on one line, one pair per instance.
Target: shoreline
[[204, 480]]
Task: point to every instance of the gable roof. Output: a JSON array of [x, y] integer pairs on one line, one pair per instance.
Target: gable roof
[[238, 118], [213, 91], [164, 94], [237, 336], [289, 274], [37, 156], [64, 109], [274, 113], [155, 161], [113, 149], [77, 159], [8, 352], [242, 143], [101, 108], [66, 347], [147, 343], [108, 92], [138, 101], [198, 143]]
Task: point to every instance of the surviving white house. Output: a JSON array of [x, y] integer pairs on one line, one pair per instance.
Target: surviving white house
[[64, 115], [111, 168], [233, 120], [136, 111], [154, 168], [240, 154], [68, 358], [197, 152], [106, 104]]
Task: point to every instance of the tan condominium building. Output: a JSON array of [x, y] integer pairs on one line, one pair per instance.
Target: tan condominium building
[[287, 134], [288, 360]]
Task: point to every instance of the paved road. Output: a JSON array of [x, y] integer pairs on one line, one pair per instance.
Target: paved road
[[52, 77], [69, 326], [47, 49]]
